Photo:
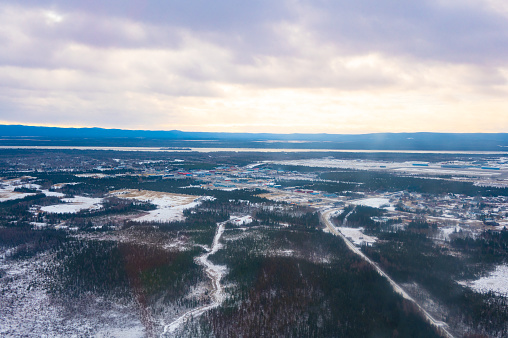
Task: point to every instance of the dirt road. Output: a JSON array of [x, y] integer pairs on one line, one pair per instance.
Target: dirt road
[[215, 273]]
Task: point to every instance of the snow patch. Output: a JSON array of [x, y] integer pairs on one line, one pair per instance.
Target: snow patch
[[244, 220], [357, 236], [376, 202], [215, 273], [73, 205], [170, 207], [497, 282], [7, 187]]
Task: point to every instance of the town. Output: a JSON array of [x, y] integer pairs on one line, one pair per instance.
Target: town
[[447, 213]]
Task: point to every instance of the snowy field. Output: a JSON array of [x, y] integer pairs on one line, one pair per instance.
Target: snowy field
[[9, 195], [170, 207], [496, 282], [447, 231], [53, 193], [344, 164], [73, 205], [407, 166], [356, 236], [28, 310], [7, 192], [376, 202]]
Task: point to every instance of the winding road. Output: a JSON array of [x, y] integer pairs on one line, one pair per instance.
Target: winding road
[[325, 218], [215, 273]]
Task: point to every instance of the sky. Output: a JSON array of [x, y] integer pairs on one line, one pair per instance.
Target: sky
[[285, 66]]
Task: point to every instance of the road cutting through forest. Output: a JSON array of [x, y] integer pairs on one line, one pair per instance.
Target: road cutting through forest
[[215, 273], [325, 218]]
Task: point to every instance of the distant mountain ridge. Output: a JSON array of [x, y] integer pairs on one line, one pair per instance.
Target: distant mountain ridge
[[12, 135]]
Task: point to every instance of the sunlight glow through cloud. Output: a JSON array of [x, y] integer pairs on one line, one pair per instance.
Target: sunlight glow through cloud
[[52, 17], [300, 66]]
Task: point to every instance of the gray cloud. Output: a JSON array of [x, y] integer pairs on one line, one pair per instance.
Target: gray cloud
[[94, 57], [466, 32], [460, 31]]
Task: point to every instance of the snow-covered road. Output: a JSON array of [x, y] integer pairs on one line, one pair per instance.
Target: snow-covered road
[[215, 273], [325, 217]]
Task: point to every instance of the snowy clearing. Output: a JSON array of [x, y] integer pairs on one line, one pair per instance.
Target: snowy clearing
[[244, 220], [356, 236], [447, 231], [6, 195], [73, 205], [375, 202], [170, 206], [496, 282], [7, 187], [27, 308], [53, 193], [344, 164]]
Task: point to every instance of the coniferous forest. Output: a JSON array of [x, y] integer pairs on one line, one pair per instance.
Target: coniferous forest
[[148, 246]]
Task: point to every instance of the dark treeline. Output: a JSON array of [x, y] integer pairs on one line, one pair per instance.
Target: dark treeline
[[295, 168], [339, 219], [489, 247], [95, 186], [302, 296], [421, 224], [128, 271], [308, 220], [225, 196], [409, 256], [18, 210], [27, 242], [230, 206], [26, 190], [362, 217], [330, 187], [111, 206], [198, 224], [120, 205], [21, 201], [374, 181], [100, 186]]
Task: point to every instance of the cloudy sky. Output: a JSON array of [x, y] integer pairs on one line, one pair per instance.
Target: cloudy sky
[[334, 66]]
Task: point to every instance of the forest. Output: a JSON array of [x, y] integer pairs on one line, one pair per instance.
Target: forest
[[282, 275], [380, 181], [320, 290], [410, 256]]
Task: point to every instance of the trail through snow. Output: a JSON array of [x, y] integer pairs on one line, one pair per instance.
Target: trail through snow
[[215, 273]]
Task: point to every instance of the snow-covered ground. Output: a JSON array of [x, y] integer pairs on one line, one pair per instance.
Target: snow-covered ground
[[345, 164], [244, 220], [376, 202], [356, 236], [27, 309], [39, 225], [94, 175], [53, 193], [73, 205], [7, 187], [215, 273], [447, 231], [61, 185], [170, 207], [7, 192], [497, 282], [409, 167], [6, 195]]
